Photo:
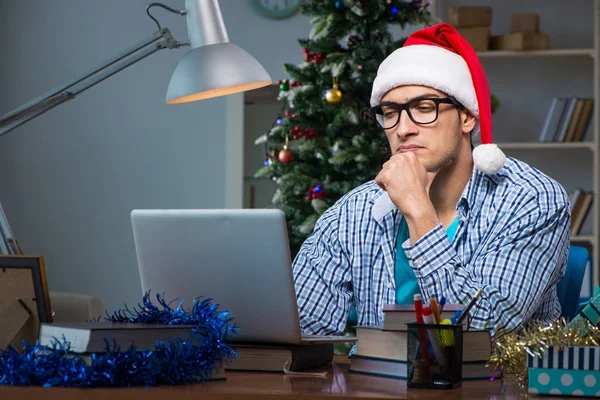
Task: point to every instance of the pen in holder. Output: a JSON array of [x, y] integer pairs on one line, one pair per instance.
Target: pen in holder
[[442, 369]]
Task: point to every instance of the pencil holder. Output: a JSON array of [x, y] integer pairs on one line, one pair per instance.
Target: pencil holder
[[434, 356]]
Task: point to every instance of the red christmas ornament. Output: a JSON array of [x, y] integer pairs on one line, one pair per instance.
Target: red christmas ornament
[[286, 156]]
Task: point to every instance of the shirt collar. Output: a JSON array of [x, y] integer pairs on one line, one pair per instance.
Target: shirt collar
[[382, 205], [478, 185]]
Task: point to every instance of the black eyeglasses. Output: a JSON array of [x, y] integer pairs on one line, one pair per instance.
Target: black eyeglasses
[[420, 111]]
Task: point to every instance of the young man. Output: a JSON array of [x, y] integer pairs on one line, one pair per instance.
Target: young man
[[440, 219]]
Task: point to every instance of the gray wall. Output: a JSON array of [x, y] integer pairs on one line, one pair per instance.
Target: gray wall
[[71, 177]]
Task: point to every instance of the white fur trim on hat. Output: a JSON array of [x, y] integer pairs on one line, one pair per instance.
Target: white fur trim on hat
[[488, 158], [426, 65]]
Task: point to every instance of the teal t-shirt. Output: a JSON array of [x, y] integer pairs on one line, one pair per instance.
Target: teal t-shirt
[[406, 281]]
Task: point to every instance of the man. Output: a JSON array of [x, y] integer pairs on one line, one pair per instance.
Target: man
[[440, 219]]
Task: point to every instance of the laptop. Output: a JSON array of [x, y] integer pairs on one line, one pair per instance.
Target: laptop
[[239, 258]]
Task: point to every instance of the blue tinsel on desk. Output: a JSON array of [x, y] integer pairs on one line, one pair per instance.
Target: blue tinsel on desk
[[177, 361]]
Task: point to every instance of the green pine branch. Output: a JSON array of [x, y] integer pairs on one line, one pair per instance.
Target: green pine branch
[[349, 44]]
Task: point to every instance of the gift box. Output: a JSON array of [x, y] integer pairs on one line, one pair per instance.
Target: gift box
[[477, 36], [520, 41], [467, 16], [590, 312], [524, 23], [568, 371]]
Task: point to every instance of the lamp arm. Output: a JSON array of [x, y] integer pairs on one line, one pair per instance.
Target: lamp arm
[[69, 91]]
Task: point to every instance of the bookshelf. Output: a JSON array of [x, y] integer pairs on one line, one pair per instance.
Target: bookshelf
[[573, 164], [541, 146], [591, 239], [539, 53]]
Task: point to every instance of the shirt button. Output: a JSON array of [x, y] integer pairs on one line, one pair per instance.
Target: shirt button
[[420, 261], [389, 285], [410, 263]]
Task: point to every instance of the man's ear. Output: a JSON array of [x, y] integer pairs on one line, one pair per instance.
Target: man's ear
[[467, 121]]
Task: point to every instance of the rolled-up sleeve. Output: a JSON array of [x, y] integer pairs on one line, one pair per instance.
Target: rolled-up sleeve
[[323, 279], [514, 270]]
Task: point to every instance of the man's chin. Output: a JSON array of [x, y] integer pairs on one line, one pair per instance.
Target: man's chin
[[430, 165], [437, 166]]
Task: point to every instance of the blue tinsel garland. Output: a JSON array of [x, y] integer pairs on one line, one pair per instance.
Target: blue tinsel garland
[[177, 361]]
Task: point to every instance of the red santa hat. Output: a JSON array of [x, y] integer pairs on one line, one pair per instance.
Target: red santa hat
[[440, 58]]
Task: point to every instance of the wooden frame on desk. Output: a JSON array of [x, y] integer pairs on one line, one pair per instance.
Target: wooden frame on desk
[[35, 264], [24, 299]]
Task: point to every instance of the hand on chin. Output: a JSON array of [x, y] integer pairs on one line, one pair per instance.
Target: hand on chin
[[407, 180]]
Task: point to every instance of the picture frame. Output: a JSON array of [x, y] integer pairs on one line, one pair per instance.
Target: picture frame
[[24, 298]]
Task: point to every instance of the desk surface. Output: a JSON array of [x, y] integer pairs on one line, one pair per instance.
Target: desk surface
[[339, 384]]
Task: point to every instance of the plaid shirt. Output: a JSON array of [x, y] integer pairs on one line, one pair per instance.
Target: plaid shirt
[[512, 242]]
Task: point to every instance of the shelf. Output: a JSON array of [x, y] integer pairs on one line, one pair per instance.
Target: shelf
[[257, 179], [584, 238], [545, 145], [538, 53]]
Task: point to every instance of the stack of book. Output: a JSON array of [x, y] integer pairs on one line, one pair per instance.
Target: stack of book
[[382, 351], [567, 119], [396, 316], [89, 337], [86, 338], [274, 358], [581, 202]]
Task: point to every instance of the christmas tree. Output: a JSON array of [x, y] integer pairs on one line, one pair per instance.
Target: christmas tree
[[325, 142]]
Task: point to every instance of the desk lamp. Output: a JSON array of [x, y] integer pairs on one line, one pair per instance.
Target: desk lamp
[[212, 67]]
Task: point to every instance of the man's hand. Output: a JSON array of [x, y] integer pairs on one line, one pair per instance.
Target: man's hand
[[407, 182]]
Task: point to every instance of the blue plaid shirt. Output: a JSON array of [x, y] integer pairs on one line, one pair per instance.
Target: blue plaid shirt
[[512, 241]]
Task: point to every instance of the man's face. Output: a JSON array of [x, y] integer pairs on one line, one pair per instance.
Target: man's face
[[434, 143]]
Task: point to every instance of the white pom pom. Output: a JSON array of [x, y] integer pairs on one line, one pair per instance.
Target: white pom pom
[[488, 158]]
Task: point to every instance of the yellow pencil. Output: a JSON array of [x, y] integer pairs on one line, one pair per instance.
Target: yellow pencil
[[436, 311]]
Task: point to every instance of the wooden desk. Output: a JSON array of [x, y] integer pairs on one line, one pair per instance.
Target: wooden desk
[[339, 384]]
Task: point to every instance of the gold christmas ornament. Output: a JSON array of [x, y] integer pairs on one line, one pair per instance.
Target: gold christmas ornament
[[334, 95]]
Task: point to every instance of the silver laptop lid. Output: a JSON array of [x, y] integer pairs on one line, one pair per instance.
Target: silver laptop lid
[[239, 258]]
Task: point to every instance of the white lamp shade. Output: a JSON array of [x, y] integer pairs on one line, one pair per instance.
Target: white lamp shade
[[215, 70]]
